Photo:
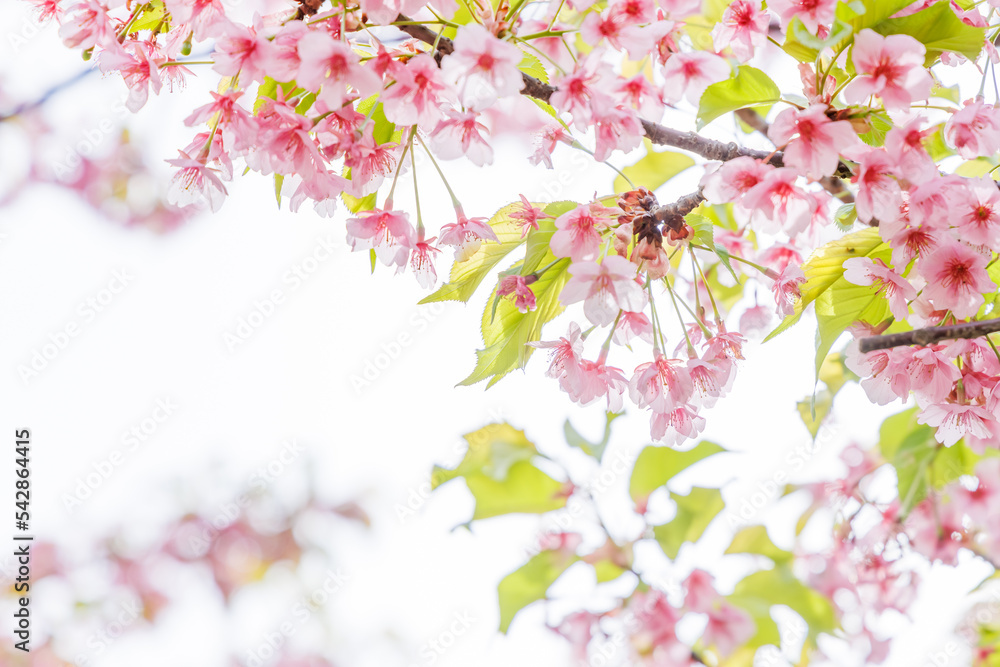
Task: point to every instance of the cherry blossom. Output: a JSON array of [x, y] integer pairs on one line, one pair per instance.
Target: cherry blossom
[[482, 68], [956, 278], [868, 271], [890, 67], [605, 289], [812, 141]]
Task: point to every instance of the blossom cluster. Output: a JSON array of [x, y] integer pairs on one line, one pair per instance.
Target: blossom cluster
[[337, 103]]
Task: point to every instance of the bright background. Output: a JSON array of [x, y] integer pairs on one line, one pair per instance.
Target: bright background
[[299, 377]]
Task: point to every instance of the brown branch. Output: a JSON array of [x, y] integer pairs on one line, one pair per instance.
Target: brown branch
[[709, 149], [929, 335], [679, 208]]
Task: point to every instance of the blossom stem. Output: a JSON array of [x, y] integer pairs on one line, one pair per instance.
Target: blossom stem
[[399, 167], [655, 320], [416, 190], [607, 341], [454, 199], [555, 16], [711, 297], [680, 318], [767, 272]]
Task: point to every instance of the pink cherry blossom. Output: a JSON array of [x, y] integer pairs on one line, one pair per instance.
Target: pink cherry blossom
[[545, 142], [977, 219], [728, 627], [642, 96], [85, 25], [528, 215], [595, 380], [422, 262], [812, 13], [616, 128], [891, 67], [243, 50], [779, 203], [466, 235], [905, 148], [884, 372], [786, 289], [974, 130], [733, 179], [879, 193], [700, 594], [418, 93], [604, 288], [956, 278], [676, 425], [577, 236], [138, 63], [564, 360], [517, 286], [330, 66], [954, 421], [633, 325], [743, 28], [575, 92], [814, 142], [897, 289], [205, 17], [195, 184], [932, 374], [387, 232], [661, 384], [482, 67], [687, 75], [460, 134]]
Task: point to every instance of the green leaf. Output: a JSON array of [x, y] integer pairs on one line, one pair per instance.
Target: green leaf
[[826, 266], [594, 449], [606, 570], [845, 217], [763, 589], [879, 125], [532, 66], [355, 205], [499, 472], [151, 17], [919, 459], [278, 180], [656, 466], [529, 583], [851, 18], [755, 540], [538, 239], [814, 410], [840, 307], [466, 276], [939, 29], [492, 450], [526, 490], [694, 512], [506, 335], [803, 45], [704, 229], [748, 87], [653, 169]]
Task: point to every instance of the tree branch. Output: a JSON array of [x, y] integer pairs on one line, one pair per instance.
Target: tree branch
[[679, 208], [929, 335], [709, 149]]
